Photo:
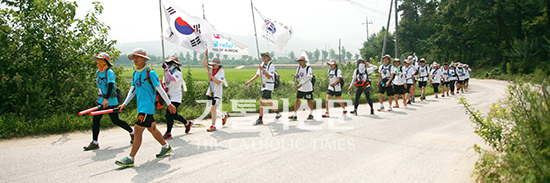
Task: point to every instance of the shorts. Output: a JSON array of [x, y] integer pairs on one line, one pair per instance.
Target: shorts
[[398, 89], [460, 82], [446, 84], [145, 120], [215, 101], [467, 80], [333, 93], [422, 84], [388, 90], [436, 87], [266, 94], [305, 95], [408, 88]]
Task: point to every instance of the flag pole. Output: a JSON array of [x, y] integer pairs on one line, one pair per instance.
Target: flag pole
[[161, 29], [255, 33]]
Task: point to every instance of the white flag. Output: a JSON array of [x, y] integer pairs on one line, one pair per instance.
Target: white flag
[[275, 32], [226, 45], [185, 30]]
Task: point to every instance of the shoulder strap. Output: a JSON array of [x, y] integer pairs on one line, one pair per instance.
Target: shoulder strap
[[307, 69], [149, 78]]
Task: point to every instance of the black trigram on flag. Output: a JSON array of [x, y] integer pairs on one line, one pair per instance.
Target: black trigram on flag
[[197, 28], [171, 10], [195, 42]]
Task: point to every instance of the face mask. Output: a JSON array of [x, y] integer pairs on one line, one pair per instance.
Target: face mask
[[361, 67]]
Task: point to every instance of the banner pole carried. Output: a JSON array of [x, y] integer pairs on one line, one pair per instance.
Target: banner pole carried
[[161, 30], [255, 32]]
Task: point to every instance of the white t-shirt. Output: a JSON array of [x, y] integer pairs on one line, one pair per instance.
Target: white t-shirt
[[386, 71], [452, 76], [409, 74], [218, 89], [362, 76], [267, 84], [332, 77], [305, 78], [436, 75], [173, 88], [467, 71], [445, 73], [400, 77], [423, 72], [461, 73]]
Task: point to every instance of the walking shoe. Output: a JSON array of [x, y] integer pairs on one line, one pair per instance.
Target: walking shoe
[[188, 126], [326, 115], [390, 109], [448, 94], [412, 99], [293, 117], [381, 108], [452, 93], [91, 146], [310, 117], [224, 119], [278, 115], [436, 96], [258, 122], [371, 111], [125, 162], [167, 136], [396, 106], [404, 103], [354, 112], [164, 151], [131, 138], [443, 95], [212, 128], [345, 112], [409, 101]]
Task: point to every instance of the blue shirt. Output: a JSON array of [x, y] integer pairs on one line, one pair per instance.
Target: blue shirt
[[102, 83], [145, 93]]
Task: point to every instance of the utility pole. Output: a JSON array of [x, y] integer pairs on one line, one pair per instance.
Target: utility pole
[[339, 45], [367, 23], [387, 29], [396, 33]]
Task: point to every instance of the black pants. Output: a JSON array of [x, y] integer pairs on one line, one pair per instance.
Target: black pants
[[436, 87], [452, 85], [170, 118], [114, 119], [358, 93]]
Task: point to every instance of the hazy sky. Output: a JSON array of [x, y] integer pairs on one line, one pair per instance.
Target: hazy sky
[[323, 20]]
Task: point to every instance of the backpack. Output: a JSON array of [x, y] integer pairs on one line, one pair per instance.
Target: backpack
[[360, 83], [119, 95], [342, 82], [277, 80], [159, 102], [313, 79]]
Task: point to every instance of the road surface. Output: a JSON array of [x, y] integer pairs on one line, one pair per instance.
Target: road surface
[[428, 141]]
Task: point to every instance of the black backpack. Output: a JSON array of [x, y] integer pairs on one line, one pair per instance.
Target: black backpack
[[119, 95], [342, 82], [277, 80]]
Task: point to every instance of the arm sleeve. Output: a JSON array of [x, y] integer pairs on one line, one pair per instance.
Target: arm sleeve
[[372, 69], [163, 94], [130, 96], [109, 90], [307, 77], [353, 78], [168, 75]]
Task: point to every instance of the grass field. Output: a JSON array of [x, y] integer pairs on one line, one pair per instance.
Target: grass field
[[242, 75]]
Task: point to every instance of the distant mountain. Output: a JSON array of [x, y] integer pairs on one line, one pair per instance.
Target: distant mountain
[[295, 44]]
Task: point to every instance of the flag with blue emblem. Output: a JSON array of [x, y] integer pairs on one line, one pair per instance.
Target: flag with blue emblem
[[275, 32], [188, 31]]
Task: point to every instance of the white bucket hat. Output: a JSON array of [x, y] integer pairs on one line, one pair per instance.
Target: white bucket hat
[[138, 52], [173, 59], [215, 61]]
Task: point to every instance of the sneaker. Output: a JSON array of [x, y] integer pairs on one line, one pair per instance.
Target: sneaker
[[452, 93], [390, 109], [131, 138], [212, 128], [354, 112], [224, 119], [310, 117], [409, 101], [259, 122], [125, 162], [436, 96], [396, 106], [443, 95], [91, 146], [188, 126], [381, 108], [412, 100], [404, 103], [372, 111], [345, 112], [167, 136], [293, 117], [279, 115], [164, 151], [326, 115]]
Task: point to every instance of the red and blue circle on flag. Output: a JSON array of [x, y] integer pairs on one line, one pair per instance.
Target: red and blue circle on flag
[[270, 26], [183, 27]]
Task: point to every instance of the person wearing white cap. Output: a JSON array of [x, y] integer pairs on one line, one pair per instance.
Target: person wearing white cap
[[173, 80], [145, 85], [445, 78], [436, 75], [105, 82], [414, 63], [452, 78], [467, 70], [386, 74], [423, 72], [267, 71], [361, 81], [409, 71], [305, 89], [334, 87], [399, 82], [461, 73], [214, 93]]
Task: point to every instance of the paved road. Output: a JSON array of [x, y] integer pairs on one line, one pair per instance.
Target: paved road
[[427, 142]]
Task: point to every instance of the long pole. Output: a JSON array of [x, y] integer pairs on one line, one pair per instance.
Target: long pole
[[387, 29], [161, 29], [255, 33], [396, 32], [339, 45]]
